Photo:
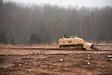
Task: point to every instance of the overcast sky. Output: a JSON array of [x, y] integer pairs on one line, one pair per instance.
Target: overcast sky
[[65, 3]]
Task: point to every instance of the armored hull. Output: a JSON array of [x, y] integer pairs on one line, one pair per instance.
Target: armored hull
[[74, 42]]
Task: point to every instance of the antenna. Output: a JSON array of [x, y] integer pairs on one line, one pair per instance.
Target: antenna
[[63, 36]]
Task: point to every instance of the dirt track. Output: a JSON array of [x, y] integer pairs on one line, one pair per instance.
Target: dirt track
[[28, 60]]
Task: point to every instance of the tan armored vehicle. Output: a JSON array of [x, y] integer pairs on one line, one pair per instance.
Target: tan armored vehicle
[[74, 42]]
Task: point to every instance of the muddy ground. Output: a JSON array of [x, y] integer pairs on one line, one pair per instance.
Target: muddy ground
[[35, 60]]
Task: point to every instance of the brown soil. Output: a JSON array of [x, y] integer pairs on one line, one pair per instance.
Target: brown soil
[[30, 60]]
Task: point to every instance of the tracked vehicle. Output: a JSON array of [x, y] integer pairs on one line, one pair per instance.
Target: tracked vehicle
[[74, 43]]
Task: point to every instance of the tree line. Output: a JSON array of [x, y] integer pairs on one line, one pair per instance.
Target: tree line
[[34, 24]]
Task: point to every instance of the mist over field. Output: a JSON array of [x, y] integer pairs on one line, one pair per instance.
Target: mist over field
[[32, 43], [20, 24]]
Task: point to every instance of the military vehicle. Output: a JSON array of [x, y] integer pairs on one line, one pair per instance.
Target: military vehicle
[[74, 43]]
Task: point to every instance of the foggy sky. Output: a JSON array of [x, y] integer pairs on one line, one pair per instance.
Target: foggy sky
[[66, 3]]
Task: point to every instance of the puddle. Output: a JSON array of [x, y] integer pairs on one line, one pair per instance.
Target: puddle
[[6, 65]]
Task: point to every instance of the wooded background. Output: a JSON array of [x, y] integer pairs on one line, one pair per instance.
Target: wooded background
[[20, 24]]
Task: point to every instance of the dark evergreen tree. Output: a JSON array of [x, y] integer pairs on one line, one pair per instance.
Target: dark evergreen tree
[[3, 38], [35, 39]]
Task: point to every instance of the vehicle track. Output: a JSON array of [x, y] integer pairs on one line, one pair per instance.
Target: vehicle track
[[57, 49], [27, 52], [51, 49]]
